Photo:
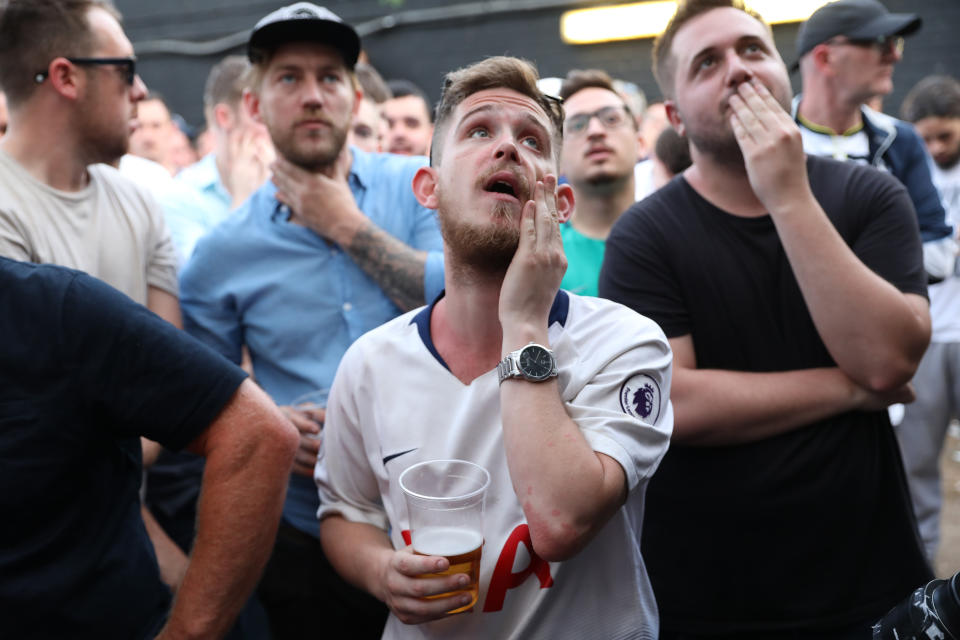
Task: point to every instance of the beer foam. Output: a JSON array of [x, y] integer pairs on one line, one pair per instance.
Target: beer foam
[[446, 541]]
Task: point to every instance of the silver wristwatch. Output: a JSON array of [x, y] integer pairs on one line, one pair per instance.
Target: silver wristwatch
[[533, 362]]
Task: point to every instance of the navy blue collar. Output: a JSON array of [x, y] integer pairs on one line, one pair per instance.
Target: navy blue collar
[[558, 314]]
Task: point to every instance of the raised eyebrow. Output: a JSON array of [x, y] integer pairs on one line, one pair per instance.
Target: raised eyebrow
[[468, 115]]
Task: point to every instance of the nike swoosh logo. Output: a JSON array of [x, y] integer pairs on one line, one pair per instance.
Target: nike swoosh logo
[[397, 455]]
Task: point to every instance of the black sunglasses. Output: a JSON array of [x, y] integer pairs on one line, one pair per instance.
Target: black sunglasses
[[129, 65]]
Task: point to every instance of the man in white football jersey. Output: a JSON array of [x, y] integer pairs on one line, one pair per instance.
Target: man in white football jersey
[[564, 399]]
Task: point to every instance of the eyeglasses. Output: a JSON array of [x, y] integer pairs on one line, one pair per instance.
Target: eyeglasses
[[883, 44], [610, 117], [129, 65]]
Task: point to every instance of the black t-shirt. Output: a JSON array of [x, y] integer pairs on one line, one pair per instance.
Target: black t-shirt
[[808, 529], [84, 371]]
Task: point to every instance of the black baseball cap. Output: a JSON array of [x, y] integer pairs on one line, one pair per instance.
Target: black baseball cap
[[304, 21], [854, 19]]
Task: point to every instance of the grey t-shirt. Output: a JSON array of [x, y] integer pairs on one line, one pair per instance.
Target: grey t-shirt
[[111, 229]]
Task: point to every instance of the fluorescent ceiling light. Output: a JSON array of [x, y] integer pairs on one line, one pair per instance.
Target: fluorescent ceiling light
[[649, 19]]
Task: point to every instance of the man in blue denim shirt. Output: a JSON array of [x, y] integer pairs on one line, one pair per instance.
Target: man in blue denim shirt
[[332, 247]]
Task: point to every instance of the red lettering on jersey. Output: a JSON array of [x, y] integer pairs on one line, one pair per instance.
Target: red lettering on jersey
[[503, 577]]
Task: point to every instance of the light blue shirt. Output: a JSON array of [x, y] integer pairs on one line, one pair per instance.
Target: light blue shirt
[[296, 300], [198, 204]]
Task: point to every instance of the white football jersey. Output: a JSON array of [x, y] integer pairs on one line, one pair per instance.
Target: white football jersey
[[394, 403]]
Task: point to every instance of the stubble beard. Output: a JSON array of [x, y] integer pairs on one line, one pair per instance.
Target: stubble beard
[[312, 158], [483, 250], [724, 149], [951, 161], [102, 144], [605, 183]]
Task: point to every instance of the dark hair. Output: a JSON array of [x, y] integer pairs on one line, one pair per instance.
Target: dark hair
[[494, 73], [932, 97], [372, 83], [672, 150], [579, 79], [663, 61], [156, 96], [225, 82], [400, 88], [34, 32]]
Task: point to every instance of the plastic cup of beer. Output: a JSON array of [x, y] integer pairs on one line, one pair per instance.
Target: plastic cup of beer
[[445, 504]]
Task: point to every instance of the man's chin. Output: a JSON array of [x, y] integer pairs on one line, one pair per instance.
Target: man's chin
[[487, 249], [311, 159], [949, 163]]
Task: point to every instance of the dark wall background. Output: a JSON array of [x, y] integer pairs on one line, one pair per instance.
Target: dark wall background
[[178, 40]]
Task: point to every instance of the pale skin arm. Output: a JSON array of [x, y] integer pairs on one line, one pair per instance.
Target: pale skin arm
[[364, 556], [170, 557], [249, 449], [571, 492], [164, 304], [875, 333], [325, 204], [714, 407]]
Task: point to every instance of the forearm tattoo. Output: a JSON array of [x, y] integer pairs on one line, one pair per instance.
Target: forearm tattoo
[[396, 267]]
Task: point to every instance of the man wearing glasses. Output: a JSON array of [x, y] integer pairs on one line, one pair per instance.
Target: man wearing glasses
[[72, 89], [846, 52], [599, 151]]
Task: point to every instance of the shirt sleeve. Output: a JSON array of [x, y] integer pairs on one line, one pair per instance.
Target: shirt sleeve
[[162, 256], [888, 241], [345, 481], [144, 376], [13, 243], [621, 391], [637, 270], [209, 309]]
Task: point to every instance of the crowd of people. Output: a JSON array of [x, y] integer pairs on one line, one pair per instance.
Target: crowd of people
[[706, 348]]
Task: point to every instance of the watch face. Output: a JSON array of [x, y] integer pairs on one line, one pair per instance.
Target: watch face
[[535, 362]]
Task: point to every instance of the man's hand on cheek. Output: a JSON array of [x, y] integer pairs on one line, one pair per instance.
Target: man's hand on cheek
[[534, 275]]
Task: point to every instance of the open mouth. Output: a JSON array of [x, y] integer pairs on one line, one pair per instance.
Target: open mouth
[[503, 182]]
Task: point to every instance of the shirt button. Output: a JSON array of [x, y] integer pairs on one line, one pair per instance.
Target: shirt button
[[347, 306]]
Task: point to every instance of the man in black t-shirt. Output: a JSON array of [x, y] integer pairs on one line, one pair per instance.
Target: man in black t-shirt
[[793, 294], [84, 372]]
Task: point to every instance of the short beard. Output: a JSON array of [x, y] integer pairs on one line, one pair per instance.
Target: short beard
[[315, 159], [723, 149], [951, 161], [606, 184], [485, 251]]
